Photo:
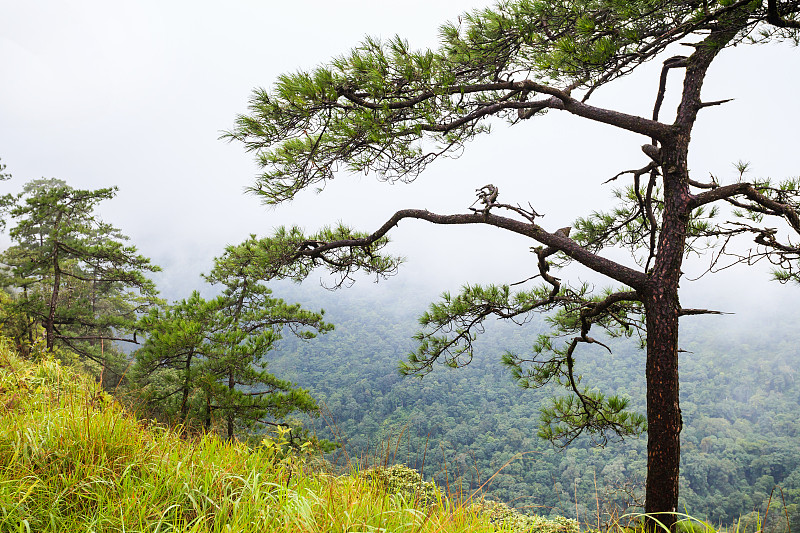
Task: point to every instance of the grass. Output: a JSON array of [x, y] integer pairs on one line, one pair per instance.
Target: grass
[[72, 459]]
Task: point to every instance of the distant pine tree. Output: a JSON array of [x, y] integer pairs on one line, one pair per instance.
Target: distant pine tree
[[72, 273], [205, 360]]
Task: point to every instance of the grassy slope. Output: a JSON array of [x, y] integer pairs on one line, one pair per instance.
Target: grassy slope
[[72, 459]]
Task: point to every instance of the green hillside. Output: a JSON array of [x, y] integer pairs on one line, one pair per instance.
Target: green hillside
[[72, 459], [740, 400]]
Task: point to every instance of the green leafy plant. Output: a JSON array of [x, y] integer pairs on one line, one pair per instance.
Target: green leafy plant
[[404, 482]]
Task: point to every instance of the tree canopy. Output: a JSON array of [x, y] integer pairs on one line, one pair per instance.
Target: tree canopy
[[205, 360], [71, 273], [391, 110]]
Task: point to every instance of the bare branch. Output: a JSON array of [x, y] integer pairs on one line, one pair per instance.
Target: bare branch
[[636, 173], [700, 185], [716, 102], [774, 16], [672, 62], [651, 217], [612, 269], [688, 311]]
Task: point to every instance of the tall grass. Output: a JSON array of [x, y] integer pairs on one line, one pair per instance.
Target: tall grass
[[72, 459]]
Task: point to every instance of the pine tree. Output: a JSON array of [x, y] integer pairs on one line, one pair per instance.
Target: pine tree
[[389, 109], [206, 360], [72, 273]]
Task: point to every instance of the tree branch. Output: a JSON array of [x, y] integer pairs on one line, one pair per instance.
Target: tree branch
[[774, 16], [728, 192], [612, 269], [688, 311], [95, 338]]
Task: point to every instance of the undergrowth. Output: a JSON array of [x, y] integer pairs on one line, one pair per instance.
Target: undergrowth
[[72, 459]]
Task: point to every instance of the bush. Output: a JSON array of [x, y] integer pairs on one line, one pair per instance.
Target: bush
[[503, 515], [404, 482]]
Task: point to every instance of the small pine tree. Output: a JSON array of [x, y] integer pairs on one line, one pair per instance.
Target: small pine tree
[[205, 360], [71, 273]]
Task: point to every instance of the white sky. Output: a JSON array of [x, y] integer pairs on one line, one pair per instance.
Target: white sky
[[136, 94]]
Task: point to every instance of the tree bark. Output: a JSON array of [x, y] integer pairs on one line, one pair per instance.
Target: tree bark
[[662, 307], [662, 304], [663, 411], [49, 326], [231, 387], [208, 412], [29, 323], [186, 385]]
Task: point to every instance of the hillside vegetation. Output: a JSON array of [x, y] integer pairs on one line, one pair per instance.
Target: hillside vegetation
[[73, 459], [740, 398]]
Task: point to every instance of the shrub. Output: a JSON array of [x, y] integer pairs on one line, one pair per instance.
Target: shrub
[[404, 482], [503, 515]]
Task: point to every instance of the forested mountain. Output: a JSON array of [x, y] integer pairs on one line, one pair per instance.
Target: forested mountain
[[740, 397]]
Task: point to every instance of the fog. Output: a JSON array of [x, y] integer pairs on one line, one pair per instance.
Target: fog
[[137, 95]]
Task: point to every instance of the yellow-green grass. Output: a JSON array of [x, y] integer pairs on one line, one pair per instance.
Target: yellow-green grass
[[73, 460]]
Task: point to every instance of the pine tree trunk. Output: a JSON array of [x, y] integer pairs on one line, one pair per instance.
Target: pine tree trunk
[[186, 385], [662, 306], [49, 325], [208, 413], [231, 387], [663, 410], [29, 323]]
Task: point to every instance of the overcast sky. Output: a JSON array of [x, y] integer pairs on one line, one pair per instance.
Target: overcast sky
[[136, 94]]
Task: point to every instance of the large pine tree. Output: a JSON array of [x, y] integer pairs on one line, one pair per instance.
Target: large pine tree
[[392, 110]]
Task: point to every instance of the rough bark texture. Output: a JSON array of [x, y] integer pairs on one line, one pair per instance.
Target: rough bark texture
[[663, 411], [662, 312], [662, 302], [51, 313]]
